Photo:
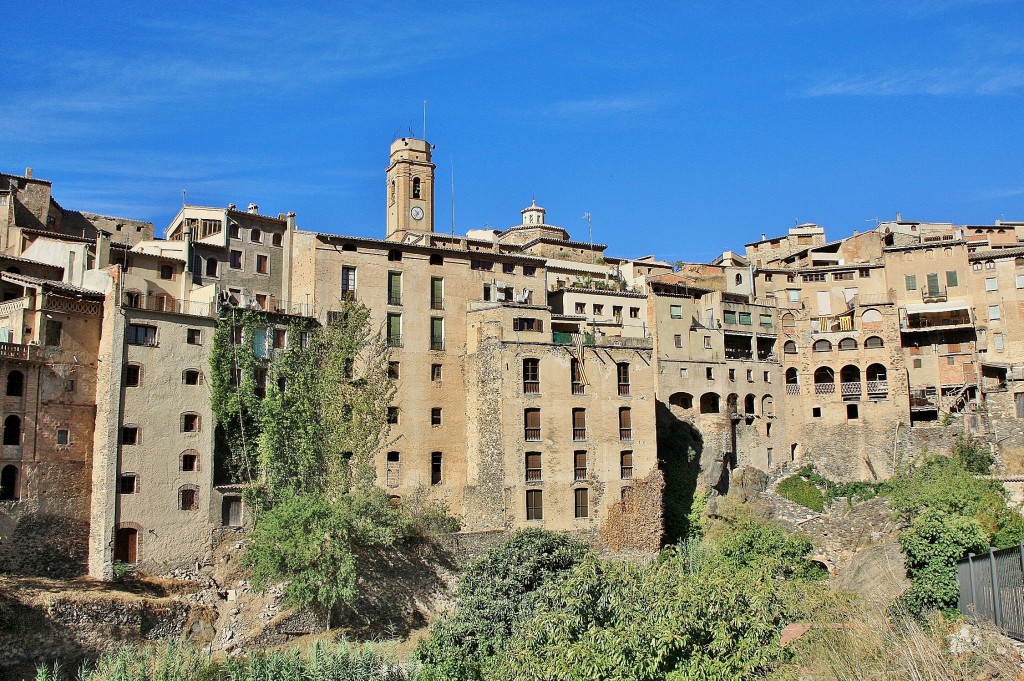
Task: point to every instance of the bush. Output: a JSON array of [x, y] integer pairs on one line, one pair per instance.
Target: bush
[[933, 544], [802, 491], [973, 454], [495, 596]]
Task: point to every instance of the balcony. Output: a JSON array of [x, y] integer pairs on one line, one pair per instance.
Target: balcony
[[437, 344], [533, 475], [395, 341], [579, 434], [739, 353], [625, 433], [168, 304], [531, 434], [626, 472], [531, 387], [936, 294], [564, 338], [824, 388], [792, 389], [579, 473], [850, 390], [878, 388], [924, 400], [15, 351], [623, 389]]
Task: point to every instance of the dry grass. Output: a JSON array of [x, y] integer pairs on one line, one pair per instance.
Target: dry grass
[[861, 640]]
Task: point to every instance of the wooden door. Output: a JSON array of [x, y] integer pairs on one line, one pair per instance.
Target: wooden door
[[126, 545], [231, 512]]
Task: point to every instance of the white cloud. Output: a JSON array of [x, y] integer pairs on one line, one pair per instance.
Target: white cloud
[[989, 80]]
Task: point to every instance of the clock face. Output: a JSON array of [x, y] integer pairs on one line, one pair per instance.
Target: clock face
[[416, 213]]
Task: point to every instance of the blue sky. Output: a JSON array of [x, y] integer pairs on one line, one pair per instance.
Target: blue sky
[[684, 128]]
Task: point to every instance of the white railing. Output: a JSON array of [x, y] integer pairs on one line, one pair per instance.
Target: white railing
[[850, 388], [878, 387], [824, 388], [792, 388]]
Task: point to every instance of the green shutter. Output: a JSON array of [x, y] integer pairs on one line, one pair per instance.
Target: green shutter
[[437, 288], [394, 285], [933, 282], [911, 282], [951, 279]]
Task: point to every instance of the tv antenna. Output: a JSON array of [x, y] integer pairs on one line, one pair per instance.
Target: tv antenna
[[590, 226], [424, 119]]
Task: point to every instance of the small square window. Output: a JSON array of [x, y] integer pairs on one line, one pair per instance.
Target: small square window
[[63, 436], [187, 500], [435, 416], [190, 423], [166, 272], [262, 264], [581, 308], [917, 363], [129, 484], [129, 435], [194, 337], [508, 268], [435, 372], [683, 372], [852, 411], [707, 342], [133, 376], [236, 260], [529, 270], [676, 311], [710, 373], [189, 462], [816, 412], [393, 415], [634, 313]]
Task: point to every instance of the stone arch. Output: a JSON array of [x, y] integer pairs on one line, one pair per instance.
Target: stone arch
[[824, 375], [822, 345], [848, 344], [681, 400], [871, 316], [15, 384], [732, 402], [710, 403], [749, 403], [768, 405], [12, 430], [877, 372], [792, 376], [849, 374], [9, 483], [789, 321], [789, 347], [873, 342]]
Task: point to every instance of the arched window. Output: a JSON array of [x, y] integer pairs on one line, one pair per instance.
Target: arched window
[[788, 321], [767, 406], [739, 278], [211, 267], [792, 377], [748, 405], [256, 236], [709, 403], [682, 400], [191, 377], [872, 342], [15, 384], [849, 374], [848, 344], [415, 187], [877, 372], [822, 345], [824, 375], [348, 248], [12, 430], [9, 483], [190, 460], [871, 316], [789, 347]]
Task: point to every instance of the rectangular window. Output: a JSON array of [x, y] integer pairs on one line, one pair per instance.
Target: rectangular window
[[262, 264], [481, 265], [534, 504], [598, 310], [617, 311], [435, 372], [1020, 281], [729, 316], [993, 313], [508, 268], [581, 308], [277, 240], [911, 282], [579, 424], [394, 469], [679, 340], [395, 330], [435, 416], [745, 318], [190, 423], [634, 313], [766, 320], [187, 498], [132, 375], [707, 342], [348, 283], [139, 334], [794, 295], [683, 372], [991, 284], [710, 373], [997, 340], [531, 425], [579, 465], [951, 278], [625, 424], [437, 333], [732, 374], [435, 468], [576, 376], [129, 435], [189, 462], [529, 270], [622, 369], [394, 288], [436, 293], [750, 375], [194, 337], [63, 436], [280, 338], [531, 376], [626, 465], [1018, 399], [236, 260], [675, 311], [53, 332], [129, 484], [533, 469], [527, 324], [582, 502]]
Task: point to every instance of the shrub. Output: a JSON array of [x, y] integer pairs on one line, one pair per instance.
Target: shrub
[[973, 454], [933, 544], [802, 491]]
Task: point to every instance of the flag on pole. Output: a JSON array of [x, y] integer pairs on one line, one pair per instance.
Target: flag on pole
[[577, 342]]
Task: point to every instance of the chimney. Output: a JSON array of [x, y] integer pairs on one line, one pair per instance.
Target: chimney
[[764, 236], [28, 173], [253, 208]]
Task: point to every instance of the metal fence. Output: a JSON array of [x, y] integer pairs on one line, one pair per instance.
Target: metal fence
[[992, 588]]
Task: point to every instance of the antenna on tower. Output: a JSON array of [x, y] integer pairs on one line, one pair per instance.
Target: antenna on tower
[[183, 193], [590, 226], [424, 119], [453, 194]]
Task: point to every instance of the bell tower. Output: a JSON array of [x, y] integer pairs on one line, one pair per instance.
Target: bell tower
[[410, 188]]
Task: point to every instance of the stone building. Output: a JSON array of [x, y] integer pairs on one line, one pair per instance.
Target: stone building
[[534, 372]]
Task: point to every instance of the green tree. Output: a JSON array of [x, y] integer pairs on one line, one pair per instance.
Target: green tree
[[933, 544]]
